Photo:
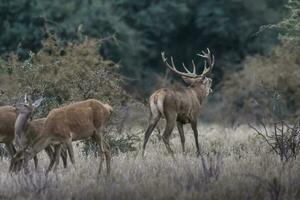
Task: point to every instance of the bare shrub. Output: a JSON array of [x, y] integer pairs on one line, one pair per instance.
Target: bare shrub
[[211, 167], [3, 152], [274, 186], [283, 138]]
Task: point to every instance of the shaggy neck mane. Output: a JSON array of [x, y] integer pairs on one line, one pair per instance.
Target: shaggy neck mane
[[201, 92]]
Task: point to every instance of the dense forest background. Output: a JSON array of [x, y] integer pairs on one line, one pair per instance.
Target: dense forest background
[[247, 37]]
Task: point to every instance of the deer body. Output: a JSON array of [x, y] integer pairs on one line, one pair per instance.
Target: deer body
[[180, 106], [76, 121], [73, 122], [185, 103], [8, 117]]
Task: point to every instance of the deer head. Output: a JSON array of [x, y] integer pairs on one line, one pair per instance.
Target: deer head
[[192, 78], [27, 107]]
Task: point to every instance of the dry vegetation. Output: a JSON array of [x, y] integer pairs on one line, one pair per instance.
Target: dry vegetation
[[250, 94], [239, 165]]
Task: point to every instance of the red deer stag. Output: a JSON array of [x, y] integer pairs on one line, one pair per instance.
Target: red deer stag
[[182, 105], [8, 116], [76, 121]]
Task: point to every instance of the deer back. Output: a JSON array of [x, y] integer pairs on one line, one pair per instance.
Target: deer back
[[182, 101], [80, 118]]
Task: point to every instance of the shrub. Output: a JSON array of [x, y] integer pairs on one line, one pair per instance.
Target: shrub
[[283, 138], [244, 93], [63, 73]]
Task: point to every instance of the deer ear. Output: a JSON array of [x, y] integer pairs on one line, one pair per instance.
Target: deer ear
[[187, 80], [38, 102]]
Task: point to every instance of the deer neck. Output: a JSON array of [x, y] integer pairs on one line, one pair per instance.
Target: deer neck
[[20, 127], [201, 92]]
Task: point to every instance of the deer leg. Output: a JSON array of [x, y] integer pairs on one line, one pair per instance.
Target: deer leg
[[101, 150], [50, 154], [26, 167], [11, 150], [181, 133], [104, 151], [101, 159], [71, 152], [57, 156], [36, 162], [195, 130], [64, 156], [152, 124], [107, 155], [24, 156], [170, 124]]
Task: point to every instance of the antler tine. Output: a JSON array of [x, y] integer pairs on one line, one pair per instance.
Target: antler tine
[[186, 68], [209, 59], [172, 62], [25, 98], [163, 56], [173, 68], [206, 69], [194, 67]]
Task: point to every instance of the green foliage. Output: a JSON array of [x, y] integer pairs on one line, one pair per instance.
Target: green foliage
[[267, 86], [291, 24], [63, 73], [144, 29]]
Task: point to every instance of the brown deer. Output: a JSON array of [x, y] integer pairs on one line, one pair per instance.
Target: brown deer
[[180, 105], [76, 121], [28, 131], [8, 116]]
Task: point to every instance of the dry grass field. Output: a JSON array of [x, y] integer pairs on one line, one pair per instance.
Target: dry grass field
[[236, 165]]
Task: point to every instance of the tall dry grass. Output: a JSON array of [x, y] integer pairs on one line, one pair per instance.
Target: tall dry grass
[[247, 170]]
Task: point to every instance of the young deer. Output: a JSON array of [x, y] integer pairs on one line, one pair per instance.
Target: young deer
[[181, 105], [76, 121], [26, 131]]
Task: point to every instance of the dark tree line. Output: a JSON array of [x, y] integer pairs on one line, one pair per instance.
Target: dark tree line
[[143, 28]]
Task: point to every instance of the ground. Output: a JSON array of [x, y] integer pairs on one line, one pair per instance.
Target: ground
[[236, 165]]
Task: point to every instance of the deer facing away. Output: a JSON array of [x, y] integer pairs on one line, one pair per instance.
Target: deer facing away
[[76, 121], [183, 105]]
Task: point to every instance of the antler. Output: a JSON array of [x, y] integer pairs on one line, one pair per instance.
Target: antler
[[210, 59], [173, 68], [25, 98]]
